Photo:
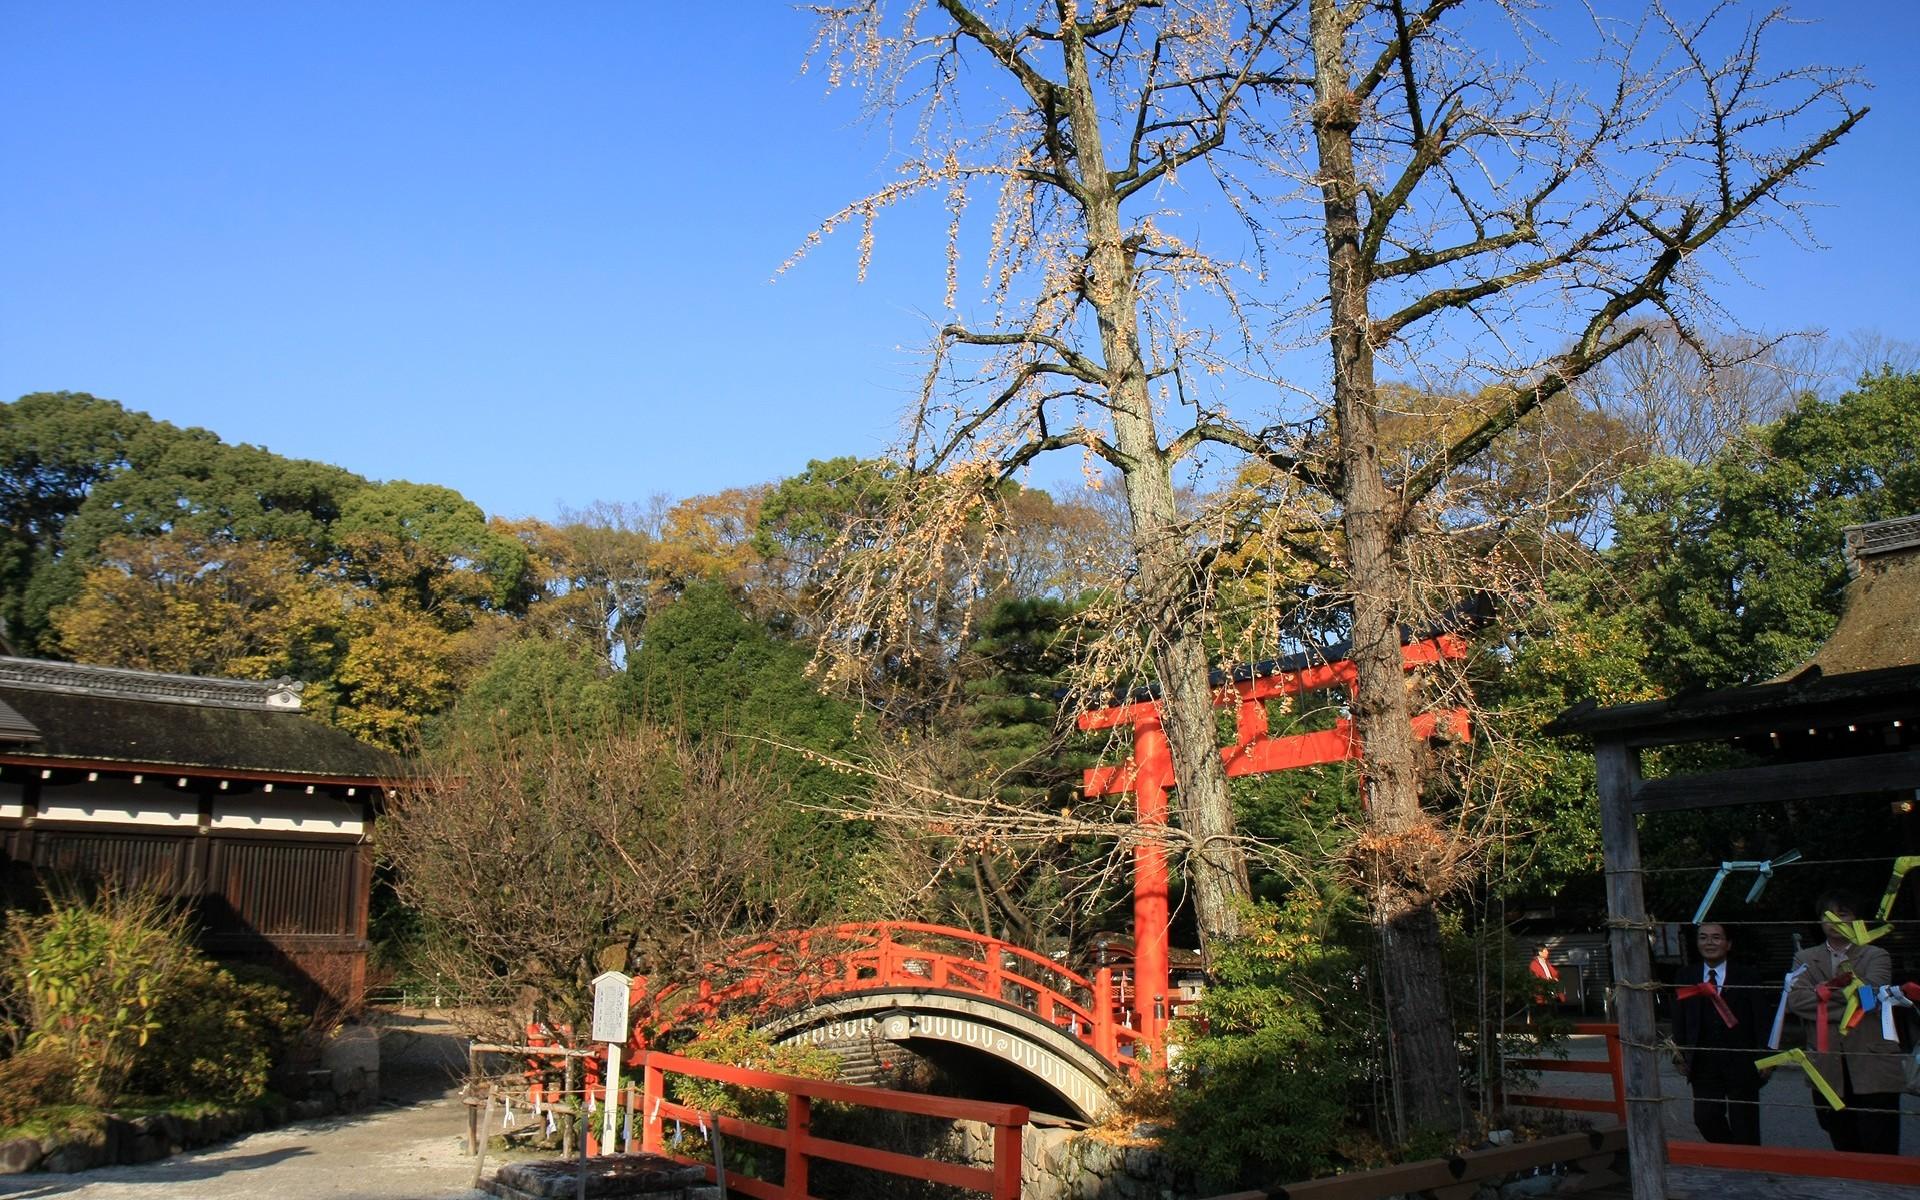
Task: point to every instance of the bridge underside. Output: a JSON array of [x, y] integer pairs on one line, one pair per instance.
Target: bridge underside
[[994, 1051]]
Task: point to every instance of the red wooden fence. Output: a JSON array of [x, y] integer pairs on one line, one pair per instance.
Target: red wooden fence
[[800, 1148]]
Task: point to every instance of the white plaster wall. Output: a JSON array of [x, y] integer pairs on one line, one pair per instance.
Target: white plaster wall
[[157, 802], [294, 814], [12, 802]]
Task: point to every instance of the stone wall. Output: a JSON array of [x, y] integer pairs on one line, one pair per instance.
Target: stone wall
[[1066, 1164]]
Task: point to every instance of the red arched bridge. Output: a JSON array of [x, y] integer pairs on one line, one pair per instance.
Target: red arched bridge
[[945, 994], [939, 994]]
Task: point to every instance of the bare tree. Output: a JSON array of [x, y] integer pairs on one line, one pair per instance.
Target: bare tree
[[1492, 221], [536, 863]]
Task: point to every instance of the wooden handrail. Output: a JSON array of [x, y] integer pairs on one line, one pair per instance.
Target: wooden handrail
[[800, 1148]]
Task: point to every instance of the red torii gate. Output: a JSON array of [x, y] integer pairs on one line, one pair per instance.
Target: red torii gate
[[1148, 774]]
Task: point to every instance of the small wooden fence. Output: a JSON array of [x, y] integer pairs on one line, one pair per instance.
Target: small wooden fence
[[1780, 1160], [800, 1148], [1614, 1068]]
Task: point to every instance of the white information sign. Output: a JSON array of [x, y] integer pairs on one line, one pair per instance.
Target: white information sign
[[611, 992]]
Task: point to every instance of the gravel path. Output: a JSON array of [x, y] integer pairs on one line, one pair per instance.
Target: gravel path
[[413, 1152], [411, 1148]]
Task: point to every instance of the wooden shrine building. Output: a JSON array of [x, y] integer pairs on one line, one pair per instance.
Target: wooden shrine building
[[218, 791], [1845, 724]]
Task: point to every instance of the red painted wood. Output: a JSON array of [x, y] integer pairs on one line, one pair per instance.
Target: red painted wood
[[799, 1135], [798, 1143], [1829, 1164], [1151, 949], [1006, 1161], [860, 958]]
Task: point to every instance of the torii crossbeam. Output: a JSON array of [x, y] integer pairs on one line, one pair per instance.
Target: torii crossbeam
[[1148, 774]]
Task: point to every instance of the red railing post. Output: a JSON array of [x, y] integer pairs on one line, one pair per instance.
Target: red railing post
[[1006, 1161], [652, 1088], [1616, 1067], [799, 1126], [1105, 1038]]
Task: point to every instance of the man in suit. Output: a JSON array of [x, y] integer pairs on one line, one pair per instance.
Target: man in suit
[[1863, 1068], [1721, 1030]]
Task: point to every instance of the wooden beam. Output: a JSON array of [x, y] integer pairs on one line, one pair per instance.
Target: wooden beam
[[1815, 780], [1618, 769]]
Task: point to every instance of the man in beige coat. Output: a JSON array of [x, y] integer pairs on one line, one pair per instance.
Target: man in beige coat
[[1862, 1067]]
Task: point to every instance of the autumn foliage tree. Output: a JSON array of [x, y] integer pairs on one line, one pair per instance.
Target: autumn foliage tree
[[1414, 189]]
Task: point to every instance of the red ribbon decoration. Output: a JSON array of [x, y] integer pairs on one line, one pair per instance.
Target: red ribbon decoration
[[1712, 993], [1821, 1042]]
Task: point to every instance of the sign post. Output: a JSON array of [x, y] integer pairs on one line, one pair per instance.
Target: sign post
[[612, 996]]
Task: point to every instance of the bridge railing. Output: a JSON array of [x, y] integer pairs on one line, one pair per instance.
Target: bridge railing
[[800, 1148], [805, 966]]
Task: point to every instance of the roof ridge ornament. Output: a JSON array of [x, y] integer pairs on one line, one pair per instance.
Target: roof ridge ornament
[[80, 679], [1880, 537]]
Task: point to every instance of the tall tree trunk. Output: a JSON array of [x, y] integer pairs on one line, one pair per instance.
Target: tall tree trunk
[[1425, 1057], [1217, 867]]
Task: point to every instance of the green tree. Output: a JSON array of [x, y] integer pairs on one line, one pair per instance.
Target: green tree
[[1738, 563], [533, 688], [189, 481], [434, 547], [55, 447], [708, 669]]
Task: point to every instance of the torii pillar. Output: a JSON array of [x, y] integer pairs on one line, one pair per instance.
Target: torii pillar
[[1148, 774], [1153, 766]]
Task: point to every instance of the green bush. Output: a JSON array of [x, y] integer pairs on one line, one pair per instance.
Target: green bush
[[735, 1043], [1266, 1069], [224, 1030], [115, 997], [92, 975], [33, 1080]]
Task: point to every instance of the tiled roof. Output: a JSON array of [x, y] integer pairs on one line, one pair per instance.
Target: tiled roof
[[109, 715]]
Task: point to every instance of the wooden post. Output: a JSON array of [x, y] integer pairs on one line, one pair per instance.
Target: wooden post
[[652, 1087], [799, 1125], [1105, 1036], [1618, 769], [1006, 1161]]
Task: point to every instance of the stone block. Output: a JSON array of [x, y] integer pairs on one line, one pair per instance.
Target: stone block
[[353, 1057], [20, 1155], [82, 1153], [609, 1176]]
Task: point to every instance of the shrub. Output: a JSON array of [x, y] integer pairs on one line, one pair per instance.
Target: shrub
[[734, 1042], [224, 1030], [33, 1080], [92, 975], [1265, 1073]]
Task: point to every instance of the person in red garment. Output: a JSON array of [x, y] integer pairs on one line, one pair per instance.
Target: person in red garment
[[1541, 968]]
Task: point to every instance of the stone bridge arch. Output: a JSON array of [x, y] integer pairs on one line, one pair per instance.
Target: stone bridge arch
[[985, 1038]]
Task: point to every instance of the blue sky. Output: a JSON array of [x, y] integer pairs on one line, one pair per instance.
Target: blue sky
[[528, 251]]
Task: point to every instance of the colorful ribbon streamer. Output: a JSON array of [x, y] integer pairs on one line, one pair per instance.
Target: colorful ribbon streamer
[[1857, 1007], [1822, 993], [1780, 1013], [1856, 930], [1900, 868], [1894, 996], [1765, 870], [1798, 1058], [1711, 993]]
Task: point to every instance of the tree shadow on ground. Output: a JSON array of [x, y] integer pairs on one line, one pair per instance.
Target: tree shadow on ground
[[168, 1171]]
